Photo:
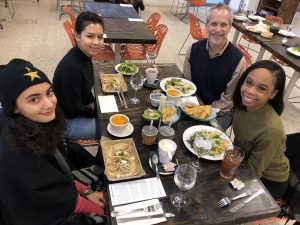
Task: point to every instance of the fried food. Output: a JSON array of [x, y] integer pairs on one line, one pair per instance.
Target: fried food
[[112, 82], [167, 113], [198, 111]]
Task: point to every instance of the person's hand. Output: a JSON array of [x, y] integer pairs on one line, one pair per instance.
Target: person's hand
[[98, 198]]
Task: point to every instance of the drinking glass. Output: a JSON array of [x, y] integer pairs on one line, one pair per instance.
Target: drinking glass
[[185, 178], [202, 147], [150, 56], [136, 82]]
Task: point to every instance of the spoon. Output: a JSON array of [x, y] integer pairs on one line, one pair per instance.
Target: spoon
[[155, 161]]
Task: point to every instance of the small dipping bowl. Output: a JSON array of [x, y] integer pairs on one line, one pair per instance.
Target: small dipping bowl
[[155, 98], [119, 122]]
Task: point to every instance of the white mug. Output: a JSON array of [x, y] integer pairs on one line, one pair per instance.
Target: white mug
[[151, 74], [166, 150]]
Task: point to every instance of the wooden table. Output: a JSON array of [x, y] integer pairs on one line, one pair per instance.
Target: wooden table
[[210, 186], [274, 45], [118, 28], [110, 10]]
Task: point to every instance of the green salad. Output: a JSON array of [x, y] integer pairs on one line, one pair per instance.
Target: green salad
[[127, 68], [151, 114], [296, 49]]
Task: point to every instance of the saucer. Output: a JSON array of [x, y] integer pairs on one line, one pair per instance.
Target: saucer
[[160, 168], [129, 129], [155, 85]]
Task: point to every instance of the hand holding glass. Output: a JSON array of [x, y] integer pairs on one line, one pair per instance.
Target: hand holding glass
[[185, 178], [136, 82]]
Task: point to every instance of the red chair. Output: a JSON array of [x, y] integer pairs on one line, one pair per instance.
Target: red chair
[[197, 4], [70, 12], [196, 31], [246, 54], [104, 54], [153, 21], [138, 51]]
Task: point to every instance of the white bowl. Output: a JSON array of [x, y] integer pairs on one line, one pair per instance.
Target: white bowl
[[119, 128]]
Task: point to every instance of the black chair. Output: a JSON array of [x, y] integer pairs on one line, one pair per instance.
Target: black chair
[[291, 209]]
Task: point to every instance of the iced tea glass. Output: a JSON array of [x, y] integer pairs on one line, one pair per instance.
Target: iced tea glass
[[233, 157]]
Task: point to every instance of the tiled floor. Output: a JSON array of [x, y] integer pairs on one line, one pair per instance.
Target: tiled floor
[[36, 34]]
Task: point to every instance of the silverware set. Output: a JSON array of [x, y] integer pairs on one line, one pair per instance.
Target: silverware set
[[225, 201], [120, 93], [150, 208]]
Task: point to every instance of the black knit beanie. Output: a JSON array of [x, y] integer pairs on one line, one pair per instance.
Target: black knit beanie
[[17, 76]]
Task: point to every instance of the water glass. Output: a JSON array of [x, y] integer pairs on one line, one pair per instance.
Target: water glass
[[150, 56], [136, 82]]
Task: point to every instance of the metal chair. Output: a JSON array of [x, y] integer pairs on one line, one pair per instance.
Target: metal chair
[[269, 20], [196, 4], [195, 31], [138, 51], [76, 8], [104, 54], [70, 12], [153, 21], [9, 4], [246, 54]]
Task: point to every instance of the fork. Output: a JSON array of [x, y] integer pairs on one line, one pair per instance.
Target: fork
[[225, 201], [149, 208]]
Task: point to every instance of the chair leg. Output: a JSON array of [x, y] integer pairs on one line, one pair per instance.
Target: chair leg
[[179, 53]]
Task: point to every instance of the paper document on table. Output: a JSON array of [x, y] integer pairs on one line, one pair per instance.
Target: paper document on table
[[108, 104], [126, 5], [135, 20], [137, 190]]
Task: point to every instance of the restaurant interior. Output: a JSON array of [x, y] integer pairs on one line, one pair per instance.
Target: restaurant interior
[[33, 30]]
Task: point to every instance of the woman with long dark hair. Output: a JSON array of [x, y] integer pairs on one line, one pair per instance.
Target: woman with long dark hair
[[36, 186], [257, 125]]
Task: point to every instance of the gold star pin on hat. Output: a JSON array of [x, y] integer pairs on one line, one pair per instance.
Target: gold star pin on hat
[[31, 74]]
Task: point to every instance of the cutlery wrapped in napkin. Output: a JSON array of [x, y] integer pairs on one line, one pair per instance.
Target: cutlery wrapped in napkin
[[141, 216]]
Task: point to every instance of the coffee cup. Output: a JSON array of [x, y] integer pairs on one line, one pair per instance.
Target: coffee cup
[[151, 74], [166, 150], [119, 122], [173, 95]]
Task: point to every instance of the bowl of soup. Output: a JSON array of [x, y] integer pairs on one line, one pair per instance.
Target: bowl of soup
[[119, 122]]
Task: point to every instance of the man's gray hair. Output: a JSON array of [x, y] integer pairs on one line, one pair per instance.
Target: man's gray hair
[[220, 7]]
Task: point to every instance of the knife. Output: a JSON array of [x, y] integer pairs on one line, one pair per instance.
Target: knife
[[240, 205], [124, 220]]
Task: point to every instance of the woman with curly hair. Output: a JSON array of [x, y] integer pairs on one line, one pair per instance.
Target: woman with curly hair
[[36, 186], [257, 125]]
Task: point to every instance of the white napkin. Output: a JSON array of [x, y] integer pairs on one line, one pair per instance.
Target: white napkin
[[135, 20], [126, 5], [141, 213], [190, 99], [108, 104]]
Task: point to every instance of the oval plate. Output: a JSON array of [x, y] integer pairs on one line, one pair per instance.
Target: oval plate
[[253, 29], [128, 74], [211, 116], [285, 33], [293, 51], [256, 18], [191, 92], [191, 130]]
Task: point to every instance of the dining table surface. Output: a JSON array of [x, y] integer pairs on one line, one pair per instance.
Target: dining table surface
[[210, 186], [105, 9]]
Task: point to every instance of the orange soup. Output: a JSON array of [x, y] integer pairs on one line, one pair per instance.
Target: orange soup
[[119, 120], [173, 92]]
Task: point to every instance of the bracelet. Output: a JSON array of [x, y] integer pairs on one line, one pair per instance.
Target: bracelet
[[87, 192]]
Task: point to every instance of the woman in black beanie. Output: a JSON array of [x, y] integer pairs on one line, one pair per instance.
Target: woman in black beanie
[[36, 186]]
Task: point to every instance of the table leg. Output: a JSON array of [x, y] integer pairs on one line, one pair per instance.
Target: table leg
[[118, 52], [260, 54], [235, 37]]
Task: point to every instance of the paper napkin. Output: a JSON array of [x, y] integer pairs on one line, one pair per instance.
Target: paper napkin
[[135, 20], [108, 104], [126, 5], [141, 213], [190, 99]]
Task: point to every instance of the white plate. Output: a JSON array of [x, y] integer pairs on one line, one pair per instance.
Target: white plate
[[266, 36], [191, 92], [129, 129], [191, 130], [296, 53], [285, 33], [116, 68], [240, 17], [253, 29], [256, 18]]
